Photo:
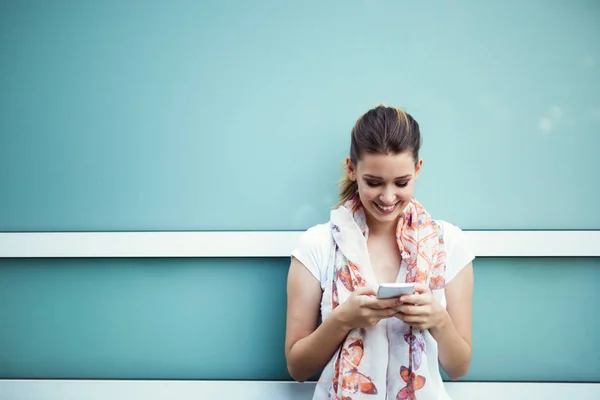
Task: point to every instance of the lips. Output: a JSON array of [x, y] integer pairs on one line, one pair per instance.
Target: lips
[[386, 209]]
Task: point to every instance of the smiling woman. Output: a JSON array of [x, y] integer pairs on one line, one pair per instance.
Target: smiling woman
[[379, 233]]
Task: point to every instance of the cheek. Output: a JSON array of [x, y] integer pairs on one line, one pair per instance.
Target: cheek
[[407, 192], [367, 193]]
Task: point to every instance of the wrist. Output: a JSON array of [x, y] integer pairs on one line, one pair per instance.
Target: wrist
[[340, 320], [443, 320]]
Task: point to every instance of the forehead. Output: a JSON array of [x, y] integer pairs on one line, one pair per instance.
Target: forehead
[[387, 165]]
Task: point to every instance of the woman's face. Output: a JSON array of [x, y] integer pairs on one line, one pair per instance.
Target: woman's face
[[386, 183]]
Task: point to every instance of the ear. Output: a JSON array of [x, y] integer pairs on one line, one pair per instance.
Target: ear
[[418, 168], [350, 169]]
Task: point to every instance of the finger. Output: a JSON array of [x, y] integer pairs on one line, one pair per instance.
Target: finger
[[398, 315], [386, 313], [397, 308], [421, 288], [380, 304], [402, 317], [388, 303], [417, 299], [410, 309], [365, 291], [410, 319], [391, 311]]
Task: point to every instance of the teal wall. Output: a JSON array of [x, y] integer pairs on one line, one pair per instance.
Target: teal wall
[[180, 115], [179, 319], [235, 115]]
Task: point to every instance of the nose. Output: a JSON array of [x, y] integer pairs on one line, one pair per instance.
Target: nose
[[388, 196]]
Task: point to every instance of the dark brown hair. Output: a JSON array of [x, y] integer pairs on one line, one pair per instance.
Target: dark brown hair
[[381, 130]]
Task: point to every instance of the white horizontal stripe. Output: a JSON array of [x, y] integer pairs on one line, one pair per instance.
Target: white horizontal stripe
[[268, 244], [261, 390]]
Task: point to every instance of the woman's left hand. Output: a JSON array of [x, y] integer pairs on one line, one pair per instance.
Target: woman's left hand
[[420, 309]]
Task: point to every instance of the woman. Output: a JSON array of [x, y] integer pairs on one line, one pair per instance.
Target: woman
[[367, 347]]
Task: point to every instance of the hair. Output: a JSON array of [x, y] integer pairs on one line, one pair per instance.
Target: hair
[[381, 130]]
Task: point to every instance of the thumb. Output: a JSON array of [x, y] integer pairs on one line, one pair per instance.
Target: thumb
[[421, 288], [365, 291]]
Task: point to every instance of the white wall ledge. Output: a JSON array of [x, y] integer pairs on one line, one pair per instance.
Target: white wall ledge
[[262, 390], [268, 244]]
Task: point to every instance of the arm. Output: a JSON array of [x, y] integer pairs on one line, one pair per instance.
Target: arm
[[308, 348], [453, 333]]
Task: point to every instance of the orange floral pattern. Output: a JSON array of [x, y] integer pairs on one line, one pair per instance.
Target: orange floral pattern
[[421, 246], [413, 382], [347, 377]]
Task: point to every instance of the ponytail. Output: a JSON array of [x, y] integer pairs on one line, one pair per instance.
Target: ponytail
[[348, 187]]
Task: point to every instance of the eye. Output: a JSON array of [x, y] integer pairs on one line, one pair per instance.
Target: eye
[[372, 184], [402, 184]]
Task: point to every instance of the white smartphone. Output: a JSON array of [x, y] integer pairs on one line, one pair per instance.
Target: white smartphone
[[391, 290]]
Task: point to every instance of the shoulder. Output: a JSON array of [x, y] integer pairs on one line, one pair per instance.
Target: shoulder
[[317, 235], [459, 251], [312, 249], [450, 233]]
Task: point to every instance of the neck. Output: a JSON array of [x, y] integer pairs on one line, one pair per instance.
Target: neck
[[377, 228]]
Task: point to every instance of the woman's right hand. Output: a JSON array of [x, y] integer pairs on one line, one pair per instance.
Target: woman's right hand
[[362, 309]]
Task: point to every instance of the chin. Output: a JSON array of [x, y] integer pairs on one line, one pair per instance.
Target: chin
[[388, 218]]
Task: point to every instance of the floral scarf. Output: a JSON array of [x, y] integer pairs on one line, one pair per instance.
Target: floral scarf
[[388, 360]]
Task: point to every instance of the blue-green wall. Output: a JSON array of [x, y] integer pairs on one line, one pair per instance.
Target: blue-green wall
[[179, 319], [152, 115], [235, 115]]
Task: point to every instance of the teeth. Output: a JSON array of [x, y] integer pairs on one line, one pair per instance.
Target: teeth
[[387, 208]]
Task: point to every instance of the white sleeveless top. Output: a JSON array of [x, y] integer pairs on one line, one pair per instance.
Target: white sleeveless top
[[315, 248]]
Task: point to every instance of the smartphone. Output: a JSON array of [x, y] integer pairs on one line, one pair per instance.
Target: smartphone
[[391, 290]]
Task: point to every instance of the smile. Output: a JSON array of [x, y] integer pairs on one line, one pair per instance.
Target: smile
[[386, 209]]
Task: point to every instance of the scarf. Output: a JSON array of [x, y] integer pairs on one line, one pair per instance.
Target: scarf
[[388, 360]]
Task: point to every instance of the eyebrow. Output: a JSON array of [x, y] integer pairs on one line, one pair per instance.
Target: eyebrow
[[368, 176]]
